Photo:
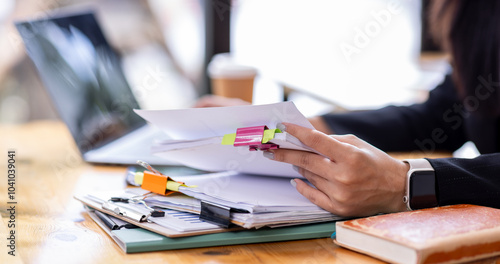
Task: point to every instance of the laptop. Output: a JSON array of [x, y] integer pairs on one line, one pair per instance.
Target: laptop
[[88, 88]]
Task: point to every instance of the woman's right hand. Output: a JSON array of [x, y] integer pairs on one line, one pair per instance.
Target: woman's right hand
[[350, 178]]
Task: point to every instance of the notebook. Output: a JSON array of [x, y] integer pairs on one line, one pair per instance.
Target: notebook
[[141, 240], [250, 201], [448, 234], [83, 76]]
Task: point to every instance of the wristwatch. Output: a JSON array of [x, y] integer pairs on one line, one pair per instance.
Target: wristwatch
[[420, 185]]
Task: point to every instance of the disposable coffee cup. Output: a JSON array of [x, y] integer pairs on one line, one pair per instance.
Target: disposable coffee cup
[[230, 79]]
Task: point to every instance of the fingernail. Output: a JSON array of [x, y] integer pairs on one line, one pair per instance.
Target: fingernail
[[294, 184], [268, 154], [295, 168], [281, 127]]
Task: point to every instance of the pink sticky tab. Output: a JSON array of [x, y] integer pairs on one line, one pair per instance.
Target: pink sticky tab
[[249, 136], [266, 146]]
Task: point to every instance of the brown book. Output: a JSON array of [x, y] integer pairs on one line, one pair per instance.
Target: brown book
[[447, 234]]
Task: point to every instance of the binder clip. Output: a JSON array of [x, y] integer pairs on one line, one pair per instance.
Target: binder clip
[[152, 212], [154, 181], [256, 138], [125, 212], [217, 214]]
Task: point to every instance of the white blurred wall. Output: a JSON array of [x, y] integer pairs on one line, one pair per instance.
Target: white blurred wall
[[356, 53]]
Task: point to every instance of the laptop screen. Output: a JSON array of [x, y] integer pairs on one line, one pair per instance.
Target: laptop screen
[[83, 76]]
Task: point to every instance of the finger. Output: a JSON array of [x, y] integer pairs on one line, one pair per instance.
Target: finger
[[312, 162], [316, 196], [333, 188], [326, 145], [323, 200], [319, 181]]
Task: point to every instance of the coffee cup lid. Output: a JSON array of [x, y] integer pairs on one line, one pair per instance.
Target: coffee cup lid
[[223, 66]]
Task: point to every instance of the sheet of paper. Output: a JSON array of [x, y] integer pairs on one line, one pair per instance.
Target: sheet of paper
[[211, 155], [217, 157], [195, 123], [277, 219], [179, 221], [250, 192]]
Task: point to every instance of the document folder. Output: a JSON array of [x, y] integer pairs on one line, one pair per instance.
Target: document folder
[[141, 240]]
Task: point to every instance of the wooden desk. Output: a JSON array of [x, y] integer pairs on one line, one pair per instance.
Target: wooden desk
[[51, 226]]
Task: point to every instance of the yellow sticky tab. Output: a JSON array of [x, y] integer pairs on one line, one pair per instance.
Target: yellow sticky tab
[[269, 134], [229, 139], [138, 176], [174, 186]]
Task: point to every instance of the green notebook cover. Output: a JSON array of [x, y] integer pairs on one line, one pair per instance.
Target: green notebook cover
[[141, 240]]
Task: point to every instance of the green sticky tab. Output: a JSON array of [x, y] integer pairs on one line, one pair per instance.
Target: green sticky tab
[[229, 139], [269, 134]]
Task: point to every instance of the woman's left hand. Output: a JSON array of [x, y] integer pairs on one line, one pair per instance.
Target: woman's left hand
[[351, 177]]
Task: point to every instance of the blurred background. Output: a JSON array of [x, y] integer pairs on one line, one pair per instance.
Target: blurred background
[[324, 55]]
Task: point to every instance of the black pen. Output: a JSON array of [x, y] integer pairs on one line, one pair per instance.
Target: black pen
[[107, 221]]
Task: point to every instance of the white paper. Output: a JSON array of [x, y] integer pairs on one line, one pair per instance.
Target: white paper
[[217, 157], [179, 221], [249, 192], [196, 123], [197, 133], [270, 200]]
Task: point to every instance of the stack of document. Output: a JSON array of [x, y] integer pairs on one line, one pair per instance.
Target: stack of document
[[182, 221], [131, 239], [246, 189], [259, 201], [196, 135], [247, 181], [267, 201]]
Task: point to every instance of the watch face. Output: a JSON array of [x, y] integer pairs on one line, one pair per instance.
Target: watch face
[[423, 190]]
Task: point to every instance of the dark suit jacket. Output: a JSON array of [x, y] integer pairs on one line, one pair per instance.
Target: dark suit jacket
[[440, 123]]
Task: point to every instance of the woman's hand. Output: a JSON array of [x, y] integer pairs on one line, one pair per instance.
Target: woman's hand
[[353, 178]]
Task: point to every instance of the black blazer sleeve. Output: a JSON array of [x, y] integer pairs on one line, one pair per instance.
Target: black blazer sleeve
[[436, 124], [473, 181]]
